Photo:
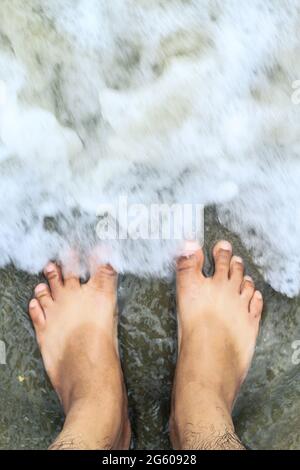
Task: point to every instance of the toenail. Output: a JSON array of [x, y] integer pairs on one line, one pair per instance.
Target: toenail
[[110, 269], [248, 278], [40, 288], [259, 295], [238, 259], [33, 303], [224, 245], [50, 268], [189, 248]]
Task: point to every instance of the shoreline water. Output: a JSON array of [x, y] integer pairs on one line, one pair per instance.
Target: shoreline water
[[266, 413]]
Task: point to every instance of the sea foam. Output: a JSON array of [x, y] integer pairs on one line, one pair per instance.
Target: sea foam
[[169, 101]]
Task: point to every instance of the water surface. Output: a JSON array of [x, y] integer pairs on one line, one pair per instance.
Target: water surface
[[267, 411]]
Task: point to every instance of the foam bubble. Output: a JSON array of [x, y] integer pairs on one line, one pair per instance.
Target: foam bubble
[[3, 96], [181, 103]]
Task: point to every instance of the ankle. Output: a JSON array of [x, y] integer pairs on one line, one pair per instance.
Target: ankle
[[92, 424], [208, 435], [207, 391], [208, 422], [206, 401], [210, 428]]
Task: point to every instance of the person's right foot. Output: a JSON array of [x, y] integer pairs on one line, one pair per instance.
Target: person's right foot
[[218, 324], [76, 328]]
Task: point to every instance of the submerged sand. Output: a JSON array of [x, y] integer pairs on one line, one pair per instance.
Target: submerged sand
[[266, 414]]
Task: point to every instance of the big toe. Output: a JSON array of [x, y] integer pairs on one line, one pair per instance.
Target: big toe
[[104, 278], [190, 264]]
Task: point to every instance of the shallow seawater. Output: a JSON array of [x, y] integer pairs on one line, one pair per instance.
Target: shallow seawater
[[267, 411], [160, 102]]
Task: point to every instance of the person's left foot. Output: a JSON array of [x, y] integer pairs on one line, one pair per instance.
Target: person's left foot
[[76, 328], [218, 325]]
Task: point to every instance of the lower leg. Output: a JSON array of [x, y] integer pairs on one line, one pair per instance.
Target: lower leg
[[76, 328], [218, 323]]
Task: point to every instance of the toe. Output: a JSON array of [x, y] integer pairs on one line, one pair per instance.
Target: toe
[[71, 280], [256, 305], [104, 278], [43, 295], [237, 271], [54, 277], [222, 254], [190, 263], [71, 270], [247, 288], [37, 315]]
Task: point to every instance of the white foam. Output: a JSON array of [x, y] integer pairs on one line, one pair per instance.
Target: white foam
[[185, 101]]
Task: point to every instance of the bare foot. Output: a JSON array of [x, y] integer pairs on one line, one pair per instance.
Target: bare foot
[[218, 324], [76, 329]]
